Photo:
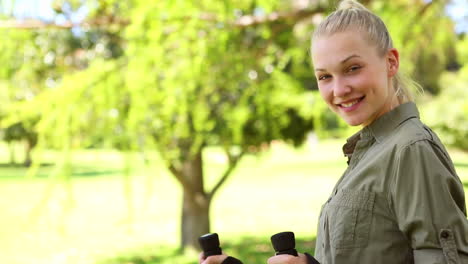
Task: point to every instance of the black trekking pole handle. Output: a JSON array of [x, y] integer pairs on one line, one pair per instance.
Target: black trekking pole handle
[[210, 246], [285, 243]]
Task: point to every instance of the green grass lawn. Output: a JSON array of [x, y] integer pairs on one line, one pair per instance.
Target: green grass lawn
[[97, 218]]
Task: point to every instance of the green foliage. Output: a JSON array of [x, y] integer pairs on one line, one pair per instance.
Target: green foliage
[[183, 83], [453, 103], [424, 35], [184, 75], [36, 62], [190, 77], [462, 50]]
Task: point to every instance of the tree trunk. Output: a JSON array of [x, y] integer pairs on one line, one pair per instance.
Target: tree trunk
[[11, 147], [195, 204], [31, 142], [28, 156]]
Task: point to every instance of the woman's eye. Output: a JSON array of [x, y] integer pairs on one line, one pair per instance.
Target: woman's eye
[[323, 77], [354, 68]]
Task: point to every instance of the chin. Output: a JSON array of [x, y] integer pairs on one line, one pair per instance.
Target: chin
[[353, 122]]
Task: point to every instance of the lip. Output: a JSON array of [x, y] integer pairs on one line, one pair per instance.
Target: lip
[[353, 107]]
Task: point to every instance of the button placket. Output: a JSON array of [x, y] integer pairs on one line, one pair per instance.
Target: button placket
[[361, 148]]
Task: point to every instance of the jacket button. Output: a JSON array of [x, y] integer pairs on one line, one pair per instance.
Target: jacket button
[[444, 234]]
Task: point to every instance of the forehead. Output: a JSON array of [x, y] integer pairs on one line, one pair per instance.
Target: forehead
[[332, 49]]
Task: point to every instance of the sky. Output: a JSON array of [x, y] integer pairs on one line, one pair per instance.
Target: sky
[[30, 8], [458, 10], [40, 9]]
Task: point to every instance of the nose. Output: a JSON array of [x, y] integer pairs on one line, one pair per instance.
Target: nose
[[341, 88]]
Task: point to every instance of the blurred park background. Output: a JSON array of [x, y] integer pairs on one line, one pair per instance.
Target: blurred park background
[[129, 128]]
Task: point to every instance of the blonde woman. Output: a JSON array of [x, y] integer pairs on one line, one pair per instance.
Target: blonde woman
[[400, 200]]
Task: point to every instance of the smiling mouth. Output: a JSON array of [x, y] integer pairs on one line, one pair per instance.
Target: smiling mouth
[[351, 103]]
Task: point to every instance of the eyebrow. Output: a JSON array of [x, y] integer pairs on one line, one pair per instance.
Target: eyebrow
[[343, 61]]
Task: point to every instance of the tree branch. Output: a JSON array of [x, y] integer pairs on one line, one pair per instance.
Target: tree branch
[[233, 161], [241, 22], [421, 12], [180, 178], [39, 24], [293, 16]]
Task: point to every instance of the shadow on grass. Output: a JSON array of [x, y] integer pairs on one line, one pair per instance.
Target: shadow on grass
[[92, 173], [250, 250], [22, 166], [18, 171]]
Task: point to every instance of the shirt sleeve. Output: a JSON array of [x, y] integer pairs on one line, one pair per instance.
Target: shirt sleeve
[[429, 204]]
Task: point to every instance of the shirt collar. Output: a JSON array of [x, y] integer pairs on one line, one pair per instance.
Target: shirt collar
[[385, 124], [348, 148], [381, 127]]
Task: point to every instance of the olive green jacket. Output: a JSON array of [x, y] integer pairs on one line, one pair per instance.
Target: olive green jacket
[[399, 201]]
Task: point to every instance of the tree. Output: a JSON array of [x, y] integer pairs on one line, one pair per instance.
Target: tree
[[195, 74], [18, 83], [425, 37], [36, 61], [453, 102], [185, 83]]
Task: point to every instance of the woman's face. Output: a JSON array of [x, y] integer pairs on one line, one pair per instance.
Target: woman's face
[[353, 79]]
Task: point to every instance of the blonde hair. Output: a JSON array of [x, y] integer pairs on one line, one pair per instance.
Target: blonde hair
[[353, 15]]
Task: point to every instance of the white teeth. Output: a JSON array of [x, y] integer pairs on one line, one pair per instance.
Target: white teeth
[[350, 104]]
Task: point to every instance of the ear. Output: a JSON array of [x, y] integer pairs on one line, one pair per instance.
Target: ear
[[393, 62]]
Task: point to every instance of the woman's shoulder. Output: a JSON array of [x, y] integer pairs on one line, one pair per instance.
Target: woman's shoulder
[[414, 131], [416, 141]]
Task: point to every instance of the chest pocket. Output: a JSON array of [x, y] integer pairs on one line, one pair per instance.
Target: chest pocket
[[350, 218]]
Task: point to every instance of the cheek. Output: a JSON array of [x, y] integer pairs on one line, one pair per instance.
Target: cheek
[[381, 85], [325, 92], [367, 81], [379, 77], [360, 80]]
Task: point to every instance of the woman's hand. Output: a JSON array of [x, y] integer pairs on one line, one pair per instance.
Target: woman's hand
[[217, 259], [288, 259]]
